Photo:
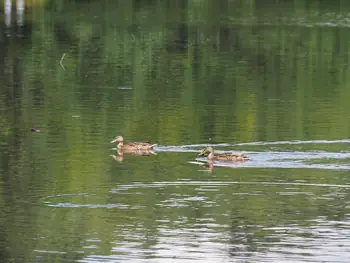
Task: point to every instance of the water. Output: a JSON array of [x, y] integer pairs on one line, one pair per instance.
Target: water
[[266, 79]]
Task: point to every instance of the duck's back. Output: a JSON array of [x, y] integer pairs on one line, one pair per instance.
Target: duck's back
[[232, 157], [138, 145]]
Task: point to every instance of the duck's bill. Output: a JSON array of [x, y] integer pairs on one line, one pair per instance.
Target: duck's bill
[[113, 141], [201, 154]]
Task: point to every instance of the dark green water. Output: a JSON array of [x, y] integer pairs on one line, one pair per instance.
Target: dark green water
[[266, 78]]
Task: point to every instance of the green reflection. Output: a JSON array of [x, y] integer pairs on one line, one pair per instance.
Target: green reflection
[[174, 73]]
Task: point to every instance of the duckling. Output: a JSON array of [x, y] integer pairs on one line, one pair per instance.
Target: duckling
[[229, 157], [132, 146]]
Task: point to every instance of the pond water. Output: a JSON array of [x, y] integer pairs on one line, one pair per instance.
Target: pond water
[[264, 78]]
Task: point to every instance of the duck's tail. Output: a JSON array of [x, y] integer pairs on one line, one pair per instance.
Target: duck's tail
[[245, 158]]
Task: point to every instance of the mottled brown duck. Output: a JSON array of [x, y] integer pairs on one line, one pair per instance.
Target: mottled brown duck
[[132, 146], [228, 157]]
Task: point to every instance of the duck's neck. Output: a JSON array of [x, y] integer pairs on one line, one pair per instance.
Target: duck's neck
[[211, 156], [120, 145]]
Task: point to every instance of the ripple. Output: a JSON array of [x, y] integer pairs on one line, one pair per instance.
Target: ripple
[[49, 251], [52, 202], [126, 187], [71, 205], [275, 159], [282, 163], [295, 142], [323, 242]]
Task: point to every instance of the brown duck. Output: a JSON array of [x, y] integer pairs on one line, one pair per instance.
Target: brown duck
[[229, 157], [132, 146]]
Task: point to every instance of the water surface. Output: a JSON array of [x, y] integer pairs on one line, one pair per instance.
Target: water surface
[[266, 79]]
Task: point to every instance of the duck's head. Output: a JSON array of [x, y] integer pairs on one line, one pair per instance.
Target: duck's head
[[118, 139], [207, 150]]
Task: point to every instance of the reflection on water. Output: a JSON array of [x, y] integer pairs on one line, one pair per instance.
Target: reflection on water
[[119, 157], [283, 244], [218, 234]]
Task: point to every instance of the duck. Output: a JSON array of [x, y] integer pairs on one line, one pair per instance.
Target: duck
[[229, 157], [132, 146]]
